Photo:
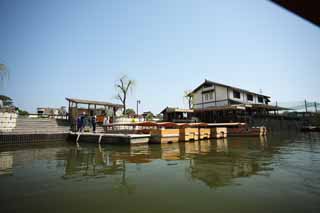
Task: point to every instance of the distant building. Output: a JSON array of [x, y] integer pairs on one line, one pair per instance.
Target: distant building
[[51, 111], [172, 114], [212, 94], [145, 114]]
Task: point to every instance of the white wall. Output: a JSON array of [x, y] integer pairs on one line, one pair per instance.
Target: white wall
[[236, 99], [221, 93], [7, 121], [220, 96], [199, 99]]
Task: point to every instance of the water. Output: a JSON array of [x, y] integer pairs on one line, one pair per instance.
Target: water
[[280, 173]]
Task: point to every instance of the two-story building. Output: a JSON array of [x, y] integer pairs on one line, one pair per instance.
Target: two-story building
[[216, 102], [213, 94]]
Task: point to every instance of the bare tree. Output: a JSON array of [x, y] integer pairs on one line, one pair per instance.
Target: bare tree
[[188, 96], [123, 85]]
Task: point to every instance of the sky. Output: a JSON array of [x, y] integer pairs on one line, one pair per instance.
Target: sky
[[79, 48]]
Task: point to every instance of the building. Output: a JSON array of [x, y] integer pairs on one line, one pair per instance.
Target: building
[[212, 94], [51, 111], [216, 102], [172, 114]]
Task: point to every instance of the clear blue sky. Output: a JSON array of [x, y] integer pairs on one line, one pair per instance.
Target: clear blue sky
[[57, 49]]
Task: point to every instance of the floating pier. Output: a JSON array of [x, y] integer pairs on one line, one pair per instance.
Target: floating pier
[[169, 132], [108, 138]]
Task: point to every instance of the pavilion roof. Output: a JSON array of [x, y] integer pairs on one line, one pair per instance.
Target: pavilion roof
[[101, 103]]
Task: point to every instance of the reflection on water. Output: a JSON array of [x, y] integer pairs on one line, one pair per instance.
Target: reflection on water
[[170, 151], [6, 163], [290, 163], [222, 145]]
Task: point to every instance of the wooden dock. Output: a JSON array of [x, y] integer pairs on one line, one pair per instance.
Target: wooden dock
[[108, 138]]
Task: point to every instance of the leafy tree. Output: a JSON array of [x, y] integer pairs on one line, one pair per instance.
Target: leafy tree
[[149, 116], [22, 112], [7, 101], [123, 85], [130, 111]]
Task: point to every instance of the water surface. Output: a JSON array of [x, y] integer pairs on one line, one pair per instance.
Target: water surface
[[278, 173]]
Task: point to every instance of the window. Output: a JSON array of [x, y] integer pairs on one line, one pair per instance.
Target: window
[[208, 95], [260, 99], [236, 94], [211, 95], [249, 97]]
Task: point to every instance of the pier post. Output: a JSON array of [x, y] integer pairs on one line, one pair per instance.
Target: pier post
[[100, 137], [78, 136]]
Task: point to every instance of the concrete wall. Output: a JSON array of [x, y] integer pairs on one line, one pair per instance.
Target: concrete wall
[[8, 121]]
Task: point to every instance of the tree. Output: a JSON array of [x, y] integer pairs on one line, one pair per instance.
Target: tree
[[188, 97], [6, 101], [22, 112], [123, 86], [130, 112], [149, 116]]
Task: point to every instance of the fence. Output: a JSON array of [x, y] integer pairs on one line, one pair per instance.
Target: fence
[[300, 106]]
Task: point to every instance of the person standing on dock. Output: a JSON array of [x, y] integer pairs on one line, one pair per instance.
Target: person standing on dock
[[79, 124], [106, 120], [94, 123], [83, 121]]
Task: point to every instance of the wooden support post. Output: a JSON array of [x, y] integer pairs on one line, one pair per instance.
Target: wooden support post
[[69, 110], [202, 98], [215, 95], [74, 126], [76, 111]]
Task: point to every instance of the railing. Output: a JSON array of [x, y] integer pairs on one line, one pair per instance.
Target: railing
[[61, 117]]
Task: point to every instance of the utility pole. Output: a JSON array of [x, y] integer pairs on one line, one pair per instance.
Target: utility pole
[[138, 102], [315, 107]]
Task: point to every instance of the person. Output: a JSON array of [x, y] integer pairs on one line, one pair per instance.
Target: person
[[106, 120], [79, 124], [94, 123], [83, 121]]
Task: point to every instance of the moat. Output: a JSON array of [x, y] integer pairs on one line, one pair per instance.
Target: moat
[[277, 173]]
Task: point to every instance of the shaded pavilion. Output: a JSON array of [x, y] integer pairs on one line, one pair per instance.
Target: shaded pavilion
[[90, 107]]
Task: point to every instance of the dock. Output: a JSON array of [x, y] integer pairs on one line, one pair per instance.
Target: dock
[[109, 138]]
